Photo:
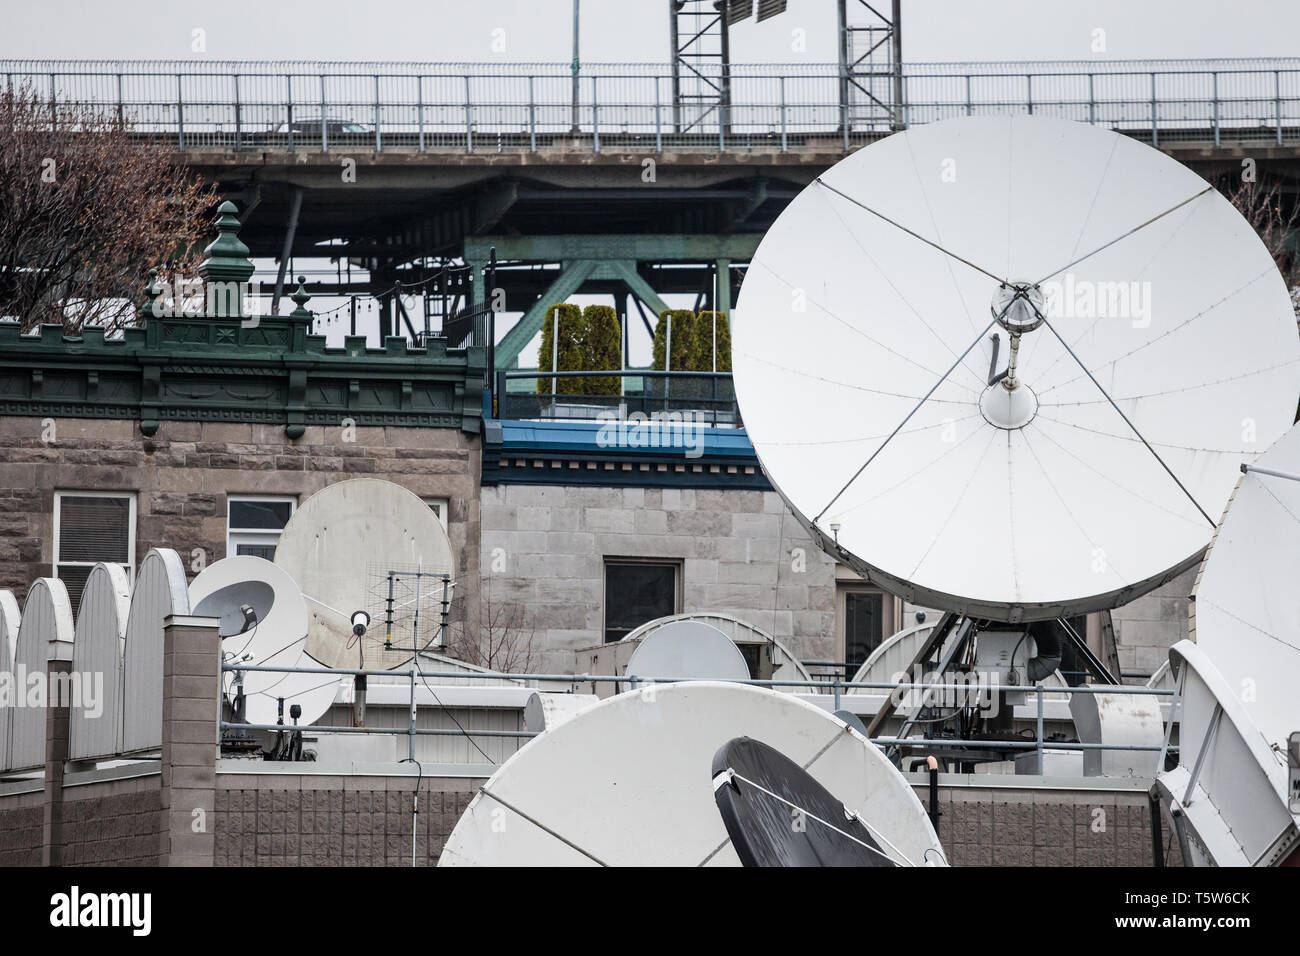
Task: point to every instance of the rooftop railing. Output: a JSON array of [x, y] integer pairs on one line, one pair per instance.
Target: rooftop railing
[[431, 107]]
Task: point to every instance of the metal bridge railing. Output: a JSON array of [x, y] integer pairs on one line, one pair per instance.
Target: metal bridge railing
[[527, 107]]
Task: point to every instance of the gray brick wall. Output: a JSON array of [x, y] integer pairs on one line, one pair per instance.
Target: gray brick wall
[[120, 829], [183, 474], [357, 822], [21, 832], [1004, 827], [544, 546], [1145, 629]]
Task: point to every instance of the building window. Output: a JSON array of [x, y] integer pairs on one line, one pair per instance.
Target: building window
[[90, 527], [253, 525], [638, 591], [440, 507], [863, 618]]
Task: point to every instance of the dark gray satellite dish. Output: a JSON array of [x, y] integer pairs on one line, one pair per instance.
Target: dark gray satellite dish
[[777, 815]]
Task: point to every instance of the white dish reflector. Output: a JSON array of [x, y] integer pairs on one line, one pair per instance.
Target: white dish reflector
[[1154, 344]]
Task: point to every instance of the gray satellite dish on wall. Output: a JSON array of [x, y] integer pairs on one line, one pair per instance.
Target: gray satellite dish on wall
[[1086, 474], [339, 546], [687, 650]]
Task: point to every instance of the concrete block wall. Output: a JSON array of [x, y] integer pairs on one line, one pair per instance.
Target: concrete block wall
[[183, 474], [999, 826], [117, 823], [544, 548], [22, 817], [324, 820], [1145, 629]]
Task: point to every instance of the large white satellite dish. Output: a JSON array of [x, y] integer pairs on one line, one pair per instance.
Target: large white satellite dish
[[687, 650], [1238, 682], [627, 782], [1088, 474], [339, 546], [275, 637]]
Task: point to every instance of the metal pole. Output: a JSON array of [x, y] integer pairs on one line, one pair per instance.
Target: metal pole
[[419, 109], [469, 123], [288, 107], [595, 114], [379, 145], [1039, 732], [574, 66], [1277, 104], [785, 143], [180, 113], [295, 205], [900, 101], [238, 117], [324, 133], [1214, 79], [1155, 131], [1092, 101], [532, 117], [415, 661], [676, 66]]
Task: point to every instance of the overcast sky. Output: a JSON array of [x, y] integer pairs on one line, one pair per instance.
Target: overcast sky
[[632, 30]]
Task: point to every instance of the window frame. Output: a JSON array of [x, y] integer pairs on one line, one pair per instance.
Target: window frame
[[255, 536], [677, 565], [889, 615], [444, 505], [132, 512]]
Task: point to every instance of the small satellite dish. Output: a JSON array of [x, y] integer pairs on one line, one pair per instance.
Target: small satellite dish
[[626, 782], [687, 650], [760, 791], [340, 545], [1009, 358], [783, 662], [263, 623]]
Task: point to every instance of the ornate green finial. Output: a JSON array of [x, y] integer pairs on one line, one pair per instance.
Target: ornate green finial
[[152, 290], [226, 259], [301, 297]]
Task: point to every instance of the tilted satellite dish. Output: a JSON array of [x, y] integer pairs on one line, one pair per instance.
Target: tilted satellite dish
[[1246, 628], [759, 790], [97, 649], [1000, 365], [340, 545], [10, 619], [627, 782], [686, 650], [264, 624]]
